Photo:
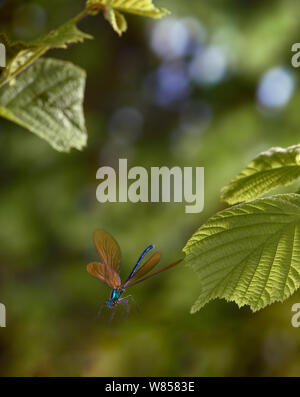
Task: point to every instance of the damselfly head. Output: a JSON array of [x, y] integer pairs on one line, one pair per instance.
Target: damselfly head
[[109, 303]]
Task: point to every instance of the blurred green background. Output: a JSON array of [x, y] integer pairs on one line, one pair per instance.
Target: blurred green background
[[212, 85]]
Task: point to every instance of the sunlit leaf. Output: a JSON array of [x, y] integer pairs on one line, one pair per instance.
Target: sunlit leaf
[[117, 21], [268, 170], [249, 254], [23, 54], [47, 100], [113, 8]]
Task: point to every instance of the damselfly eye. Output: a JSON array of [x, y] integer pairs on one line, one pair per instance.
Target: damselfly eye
[[108, 302]]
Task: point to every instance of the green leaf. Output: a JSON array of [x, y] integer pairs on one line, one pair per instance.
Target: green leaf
[[273, 168], [249, 254], [23, 54], [12, 47], [117, 21], [67, 33], [113, 8], [47, 100]]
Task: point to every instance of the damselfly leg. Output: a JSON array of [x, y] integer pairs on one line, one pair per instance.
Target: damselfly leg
[[100, 310], [133, 301], [112, 314], [128, 300]]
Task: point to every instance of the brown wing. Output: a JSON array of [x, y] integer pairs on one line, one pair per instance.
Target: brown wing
[[104, 273], [108, 249], [146, 268], [155, 273]]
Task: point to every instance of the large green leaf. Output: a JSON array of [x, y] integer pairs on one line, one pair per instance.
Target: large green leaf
[[47, 99], [112, 11], [23, 54], [250, 253], [268, 170]]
